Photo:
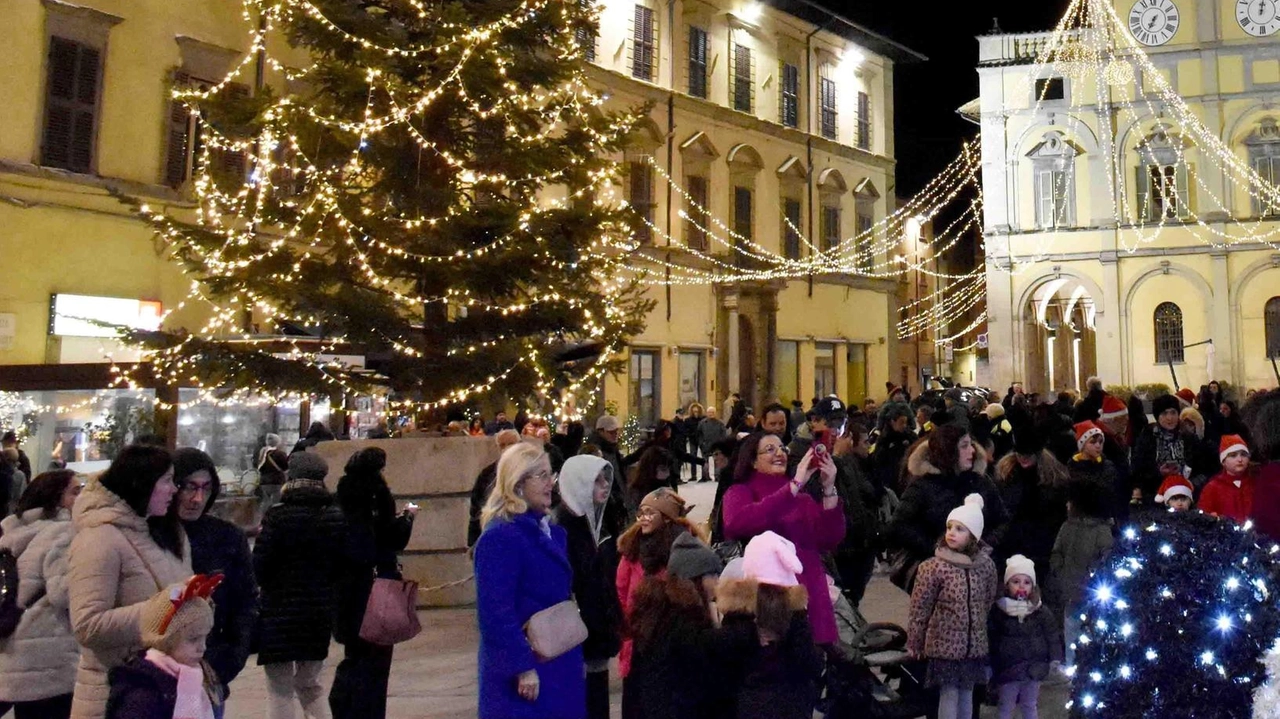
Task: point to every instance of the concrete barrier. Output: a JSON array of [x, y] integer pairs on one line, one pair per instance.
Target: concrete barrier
[[437, 473]]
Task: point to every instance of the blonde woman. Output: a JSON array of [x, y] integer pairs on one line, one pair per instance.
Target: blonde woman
[[522, 567]]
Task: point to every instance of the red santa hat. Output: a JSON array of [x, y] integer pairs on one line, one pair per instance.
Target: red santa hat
[[1084, 431], [1175, 485], [1113, 408], [1231, 443], [1186, 397]]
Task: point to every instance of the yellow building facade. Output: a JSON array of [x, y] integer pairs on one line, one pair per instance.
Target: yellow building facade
[[1116, 244]]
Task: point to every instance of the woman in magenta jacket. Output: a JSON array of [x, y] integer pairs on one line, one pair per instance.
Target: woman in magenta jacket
[[805, 510]]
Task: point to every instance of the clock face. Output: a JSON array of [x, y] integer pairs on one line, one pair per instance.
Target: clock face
[[1259, 18], [1154, 22]]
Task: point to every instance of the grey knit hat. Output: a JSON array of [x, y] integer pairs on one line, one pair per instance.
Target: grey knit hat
[[308, 465], [691, 559]]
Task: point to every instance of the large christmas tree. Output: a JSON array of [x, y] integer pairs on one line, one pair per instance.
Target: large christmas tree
[[1178, 620], [427, 190]]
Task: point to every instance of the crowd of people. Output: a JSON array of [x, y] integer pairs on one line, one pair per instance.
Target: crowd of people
[[990, 514], [131, 601]]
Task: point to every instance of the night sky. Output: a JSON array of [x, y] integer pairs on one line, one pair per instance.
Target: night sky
[[929, 132]]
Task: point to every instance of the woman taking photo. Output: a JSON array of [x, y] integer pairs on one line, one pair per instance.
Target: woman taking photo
[[125, 551], [38, 661], [522, 567], [375, 535], [806, 511]]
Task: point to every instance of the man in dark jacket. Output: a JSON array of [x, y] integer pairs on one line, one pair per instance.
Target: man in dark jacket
[[855, 558], [484, 485], [10, 441], [217, 547], [1162, 449]]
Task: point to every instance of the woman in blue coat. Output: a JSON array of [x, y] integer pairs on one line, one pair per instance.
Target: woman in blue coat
[[522, 567]]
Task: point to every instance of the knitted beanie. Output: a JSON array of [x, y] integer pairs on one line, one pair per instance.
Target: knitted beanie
[[1230, 444], [307, 465], [168, 619], [1084, 432], [970, 515], [666, 502], [1019, 564], [691, 559], [771, 559]]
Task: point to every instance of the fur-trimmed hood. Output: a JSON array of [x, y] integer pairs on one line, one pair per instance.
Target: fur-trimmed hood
[[738, 596], [918, 464], [1052, 472]]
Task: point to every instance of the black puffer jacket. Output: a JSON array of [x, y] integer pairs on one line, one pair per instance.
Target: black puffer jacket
[[1021, 650], [594, 569], [299, 555], [930, 496], [217, 546]]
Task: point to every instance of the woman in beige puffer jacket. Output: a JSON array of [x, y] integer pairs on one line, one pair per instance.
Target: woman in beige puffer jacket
[[118, 562], [38, 661]]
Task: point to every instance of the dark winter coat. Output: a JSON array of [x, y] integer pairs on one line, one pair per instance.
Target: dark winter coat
[[1266, 500], [931, 495], [615, 516], [273, 468], [219, 547], [1106, 481], [886, 458], [1082, 541], [594, 569], [519, 572], [1022, 649], [778, 681], [141, 690], [949, 605], [861, 505], [299, 556], [1036, 500], [375, 535], [479, 495], [1145, 473], [710, 430]]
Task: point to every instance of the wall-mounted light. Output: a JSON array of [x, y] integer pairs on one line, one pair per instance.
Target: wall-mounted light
[[851, 60]]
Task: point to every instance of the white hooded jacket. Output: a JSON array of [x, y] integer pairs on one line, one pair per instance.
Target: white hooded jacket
[[577, 482]]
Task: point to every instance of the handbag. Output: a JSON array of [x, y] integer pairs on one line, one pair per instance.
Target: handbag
[[555, 630], [391, 616], [902, 569]]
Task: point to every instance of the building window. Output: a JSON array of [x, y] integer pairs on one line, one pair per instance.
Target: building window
[[640, 197], [742, 218], [586, 36], [1168, 322], [644, 45], [741, 88], [827, 107], [698, 62], [791, 228], [786, 372], [1163, 177], [692, 371], [184, 152], [789, 97], [863, 140], [1264, 157], [646, 386], [864, 221], [824, 369], [830, 230], [71, 105], [1272, 319], [696, 213], [1055, 194], [1050, 88]]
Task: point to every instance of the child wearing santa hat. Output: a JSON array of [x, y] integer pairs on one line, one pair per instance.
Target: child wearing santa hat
[[1176, 493], [1024, 640], [1090, 466], [948, 621], [1230, 493]]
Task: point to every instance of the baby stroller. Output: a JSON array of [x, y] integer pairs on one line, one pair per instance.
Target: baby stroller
[[873, 678]]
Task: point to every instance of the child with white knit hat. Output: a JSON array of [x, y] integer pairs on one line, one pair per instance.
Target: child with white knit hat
[[948, 621], [170, 680], [1024, 640]]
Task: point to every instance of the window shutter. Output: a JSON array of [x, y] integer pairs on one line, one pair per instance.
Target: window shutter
[[231, 166], [177, 157], [790, 233], [1143, 209], [1043, 199], [71, 104], [1182, 176]]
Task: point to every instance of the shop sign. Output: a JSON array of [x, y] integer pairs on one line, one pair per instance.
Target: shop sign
[[86, 316]]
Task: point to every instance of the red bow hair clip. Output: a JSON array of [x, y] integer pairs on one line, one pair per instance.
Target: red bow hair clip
[[200, 586]]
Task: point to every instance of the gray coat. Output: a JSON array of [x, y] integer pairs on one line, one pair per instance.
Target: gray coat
[[1081, 542]]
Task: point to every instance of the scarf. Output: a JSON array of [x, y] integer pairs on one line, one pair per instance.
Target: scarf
[[1018, 608], [193, 699], [1169, 449], [1079, 457]]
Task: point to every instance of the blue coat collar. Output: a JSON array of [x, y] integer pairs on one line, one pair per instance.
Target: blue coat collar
[[531, 524]]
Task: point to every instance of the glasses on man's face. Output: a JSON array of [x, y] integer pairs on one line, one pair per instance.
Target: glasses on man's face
[[771, 449], [192, 489]]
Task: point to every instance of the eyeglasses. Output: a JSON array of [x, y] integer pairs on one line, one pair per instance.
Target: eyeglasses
[[194, 489], [771, 449], [647, 513], [545, 475]]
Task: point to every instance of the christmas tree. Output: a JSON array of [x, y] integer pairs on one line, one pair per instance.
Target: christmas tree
[[1177, 622], [431, 192]]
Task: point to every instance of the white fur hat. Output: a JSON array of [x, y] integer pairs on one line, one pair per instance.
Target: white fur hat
[[1019, 564], [970, 514]]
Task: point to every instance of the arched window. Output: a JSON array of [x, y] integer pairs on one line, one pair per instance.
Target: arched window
[[1168, 321], [1273, 327]]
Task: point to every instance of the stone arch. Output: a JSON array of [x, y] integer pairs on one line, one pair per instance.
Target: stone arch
[[1078, 129], [746, 156], [831, 179], [1164, 267], [1039, 358], [1236, 290], [1239, 127], [646, 134], [1024, 297]]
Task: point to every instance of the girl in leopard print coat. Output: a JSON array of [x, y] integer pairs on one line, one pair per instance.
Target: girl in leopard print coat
[[953, 594]]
